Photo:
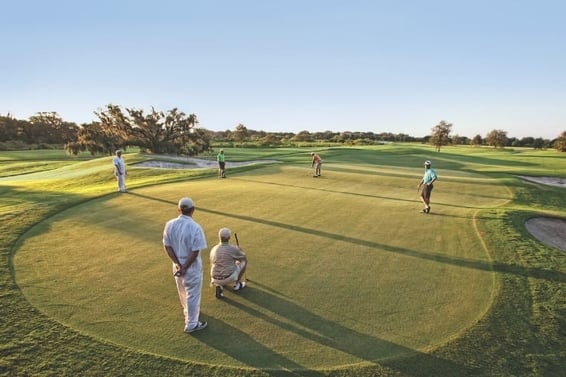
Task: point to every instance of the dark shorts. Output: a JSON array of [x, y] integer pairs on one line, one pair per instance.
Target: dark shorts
[[221, 164], [426, 190]]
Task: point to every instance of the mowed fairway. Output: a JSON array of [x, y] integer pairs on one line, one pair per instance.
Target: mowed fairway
[[343, 268]]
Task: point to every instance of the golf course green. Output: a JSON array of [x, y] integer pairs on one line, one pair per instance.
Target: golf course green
[[345, 274]]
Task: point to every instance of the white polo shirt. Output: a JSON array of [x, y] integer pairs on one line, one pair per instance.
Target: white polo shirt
[[184, 235], [119, 163]]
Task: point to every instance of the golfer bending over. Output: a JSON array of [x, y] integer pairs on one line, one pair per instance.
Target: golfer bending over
[[183, 239], [316, 163], [227, 264], [428, 180]]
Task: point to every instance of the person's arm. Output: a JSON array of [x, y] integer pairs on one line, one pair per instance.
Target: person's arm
[[239, 254], [434, 177], [189, 261], [117, 167], [171, 254]]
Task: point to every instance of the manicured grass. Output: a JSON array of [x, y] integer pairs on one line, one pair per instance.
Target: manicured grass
[[346, 276]]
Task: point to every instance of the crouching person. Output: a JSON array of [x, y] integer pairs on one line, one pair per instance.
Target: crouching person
[[227, 264]]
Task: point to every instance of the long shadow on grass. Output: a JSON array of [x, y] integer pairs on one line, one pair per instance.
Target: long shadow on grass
[[550, 275], [465, 263], [320, 330], [368, 195], [249, 351]]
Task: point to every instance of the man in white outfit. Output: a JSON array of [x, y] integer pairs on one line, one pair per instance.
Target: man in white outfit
[[120, 171], [183, 239]]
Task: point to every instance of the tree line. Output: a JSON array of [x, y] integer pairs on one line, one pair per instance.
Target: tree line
[[174, 132]]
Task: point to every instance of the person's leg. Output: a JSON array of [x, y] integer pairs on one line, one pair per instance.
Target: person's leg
[[424, 198], [193, 287], [121, 182], [423, 195], [428, 192], [242, 270], [180, 282]]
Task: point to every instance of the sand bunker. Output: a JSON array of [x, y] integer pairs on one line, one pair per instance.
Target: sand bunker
[[550, 231], [551, 181], [195, 163]]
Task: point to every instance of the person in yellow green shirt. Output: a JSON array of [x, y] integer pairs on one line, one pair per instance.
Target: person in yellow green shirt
[[221, 164]]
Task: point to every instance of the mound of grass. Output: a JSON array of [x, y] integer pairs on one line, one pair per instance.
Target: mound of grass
[[338, 285], [344, 275]]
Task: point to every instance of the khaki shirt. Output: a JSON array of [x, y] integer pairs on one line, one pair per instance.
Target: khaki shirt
[[223, 259]]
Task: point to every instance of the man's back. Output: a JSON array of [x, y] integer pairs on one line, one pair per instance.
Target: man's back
[[223, 260], [185, 236]]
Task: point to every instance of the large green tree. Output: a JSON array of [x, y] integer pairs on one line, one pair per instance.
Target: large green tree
[[156, 132], [476, 140], [48, 127], [496, 138], [96, 139], [441, 135], [560, 142], [41, 128], [9, 128], [240, 134], [303, 136]]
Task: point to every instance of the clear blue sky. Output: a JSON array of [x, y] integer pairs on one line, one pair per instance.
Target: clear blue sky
[[291, 65]]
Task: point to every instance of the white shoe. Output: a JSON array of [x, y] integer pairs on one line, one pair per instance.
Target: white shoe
[[239, 286], [200, 325]]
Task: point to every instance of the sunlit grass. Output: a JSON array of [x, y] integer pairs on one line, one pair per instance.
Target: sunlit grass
[[282, 216]]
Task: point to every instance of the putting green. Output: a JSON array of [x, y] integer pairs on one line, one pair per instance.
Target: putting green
[[343, 269]]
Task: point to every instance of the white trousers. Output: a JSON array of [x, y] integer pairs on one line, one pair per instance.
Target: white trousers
[[189, 288], [121, 178]]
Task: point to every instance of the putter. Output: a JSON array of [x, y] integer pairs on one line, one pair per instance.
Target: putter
[[238, 244]]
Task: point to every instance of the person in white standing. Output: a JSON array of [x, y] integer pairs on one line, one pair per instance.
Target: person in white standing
[[120, 171], [183, 240]]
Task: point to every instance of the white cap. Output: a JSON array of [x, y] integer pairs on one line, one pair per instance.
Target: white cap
[[186, 203], [224, 233], [427, 162]]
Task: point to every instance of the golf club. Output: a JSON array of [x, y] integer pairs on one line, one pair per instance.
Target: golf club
[[238, 244]]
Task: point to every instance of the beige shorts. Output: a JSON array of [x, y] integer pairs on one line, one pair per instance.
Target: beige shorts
[[232, 278]]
